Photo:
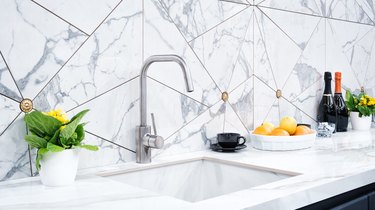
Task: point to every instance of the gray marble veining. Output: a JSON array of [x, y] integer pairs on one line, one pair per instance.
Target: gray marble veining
[[53, 41]]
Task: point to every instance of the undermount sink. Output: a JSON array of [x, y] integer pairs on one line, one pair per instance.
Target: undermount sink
[[197, 179]]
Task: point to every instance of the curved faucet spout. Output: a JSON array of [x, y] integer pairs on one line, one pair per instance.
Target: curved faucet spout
[[161, 58]]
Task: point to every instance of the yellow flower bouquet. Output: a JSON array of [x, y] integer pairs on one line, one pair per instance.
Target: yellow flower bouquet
[[362, 103]]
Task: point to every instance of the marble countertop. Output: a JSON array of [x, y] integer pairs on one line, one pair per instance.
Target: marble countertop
[[331, 167]]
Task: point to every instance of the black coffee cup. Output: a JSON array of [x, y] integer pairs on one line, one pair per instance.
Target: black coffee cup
[[230, 140]]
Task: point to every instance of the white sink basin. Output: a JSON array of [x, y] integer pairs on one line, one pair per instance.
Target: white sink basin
[[197, 179]]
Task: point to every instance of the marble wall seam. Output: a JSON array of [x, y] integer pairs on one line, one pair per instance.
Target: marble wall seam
[[109, 141], [215, 26], [105, 92], [14, 80], [188, 44], [58, 16]]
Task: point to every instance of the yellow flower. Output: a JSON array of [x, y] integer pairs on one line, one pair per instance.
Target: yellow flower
[[371, 102], [59, 115]]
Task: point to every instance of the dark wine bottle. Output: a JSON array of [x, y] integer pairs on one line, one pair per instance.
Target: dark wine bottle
[[341, 109], [327, 108]]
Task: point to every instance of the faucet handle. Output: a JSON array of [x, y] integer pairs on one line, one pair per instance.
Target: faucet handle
[[153, 123], [153, 141]]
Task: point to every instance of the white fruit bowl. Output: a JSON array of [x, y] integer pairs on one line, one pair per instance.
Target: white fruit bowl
[[282, 143]]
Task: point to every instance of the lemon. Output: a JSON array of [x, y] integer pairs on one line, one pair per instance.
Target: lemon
[[289, 124], [269, 125]]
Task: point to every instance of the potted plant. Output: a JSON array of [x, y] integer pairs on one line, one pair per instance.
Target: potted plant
[[57, 140], [361, 107]]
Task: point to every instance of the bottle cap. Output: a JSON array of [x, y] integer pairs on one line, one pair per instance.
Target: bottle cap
[[337, 75], [327, 75]]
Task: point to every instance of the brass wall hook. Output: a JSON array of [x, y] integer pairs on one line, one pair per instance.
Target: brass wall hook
[[278, 93], [225, 96], [26, 105]]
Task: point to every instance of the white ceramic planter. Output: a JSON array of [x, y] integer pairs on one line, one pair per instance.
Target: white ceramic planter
[[360, 123], [59, 168]]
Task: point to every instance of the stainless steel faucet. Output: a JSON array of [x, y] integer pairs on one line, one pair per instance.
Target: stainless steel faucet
[[144, 139]]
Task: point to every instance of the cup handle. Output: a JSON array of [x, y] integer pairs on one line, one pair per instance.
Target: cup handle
[[238, 140]]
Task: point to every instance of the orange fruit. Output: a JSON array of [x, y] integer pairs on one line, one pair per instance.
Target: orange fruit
[[289, 124], [262, 130], [302, 130], [279, 132]]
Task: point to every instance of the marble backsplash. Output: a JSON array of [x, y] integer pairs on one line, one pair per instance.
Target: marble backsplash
[[88, 54]]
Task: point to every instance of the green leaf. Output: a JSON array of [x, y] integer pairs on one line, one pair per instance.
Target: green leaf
[[80, 133], [89, 147], [35, 141], [70, 128], [41, 124], [54, 148], [39, 155], [348, 95], [54, 139]]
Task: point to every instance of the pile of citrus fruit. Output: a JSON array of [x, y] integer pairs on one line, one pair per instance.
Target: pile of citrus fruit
[[287, 127]]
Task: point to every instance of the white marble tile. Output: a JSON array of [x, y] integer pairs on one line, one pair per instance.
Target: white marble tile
[[84, 14], [242, 100], [7, 85], [336, 60], [311, 65], [170, 41], [233, 123], [298, 27], [219, 48], [111, 56], [309, 100], [238, 1], [35, 43], [244, 66], [288, 109], [360, 56], [273, 114], [14, 158], [301, 6], [345, 38], [194, 17], [264, 99], [368, 7], [9, 110], [348, 10], [369, 81], [282, 52], [171, 109], [196, 135], [108, 154], [262, 66], [114, 115]]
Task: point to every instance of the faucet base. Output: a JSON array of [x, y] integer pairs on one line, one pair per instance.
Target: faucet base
[[143, 153]]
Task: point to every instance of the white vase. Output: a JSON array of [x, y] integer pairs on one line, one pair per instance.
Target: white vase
[[360, 123], [59, 168]]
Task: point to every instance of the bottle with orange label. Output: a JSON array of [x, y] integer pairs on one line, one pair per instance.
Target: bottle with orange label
[[341, 109]]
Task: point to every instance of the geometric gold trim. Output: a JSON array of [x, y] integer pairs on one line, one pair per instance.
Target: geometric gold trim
[[225, 96], [26, 105], [278, 93]]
